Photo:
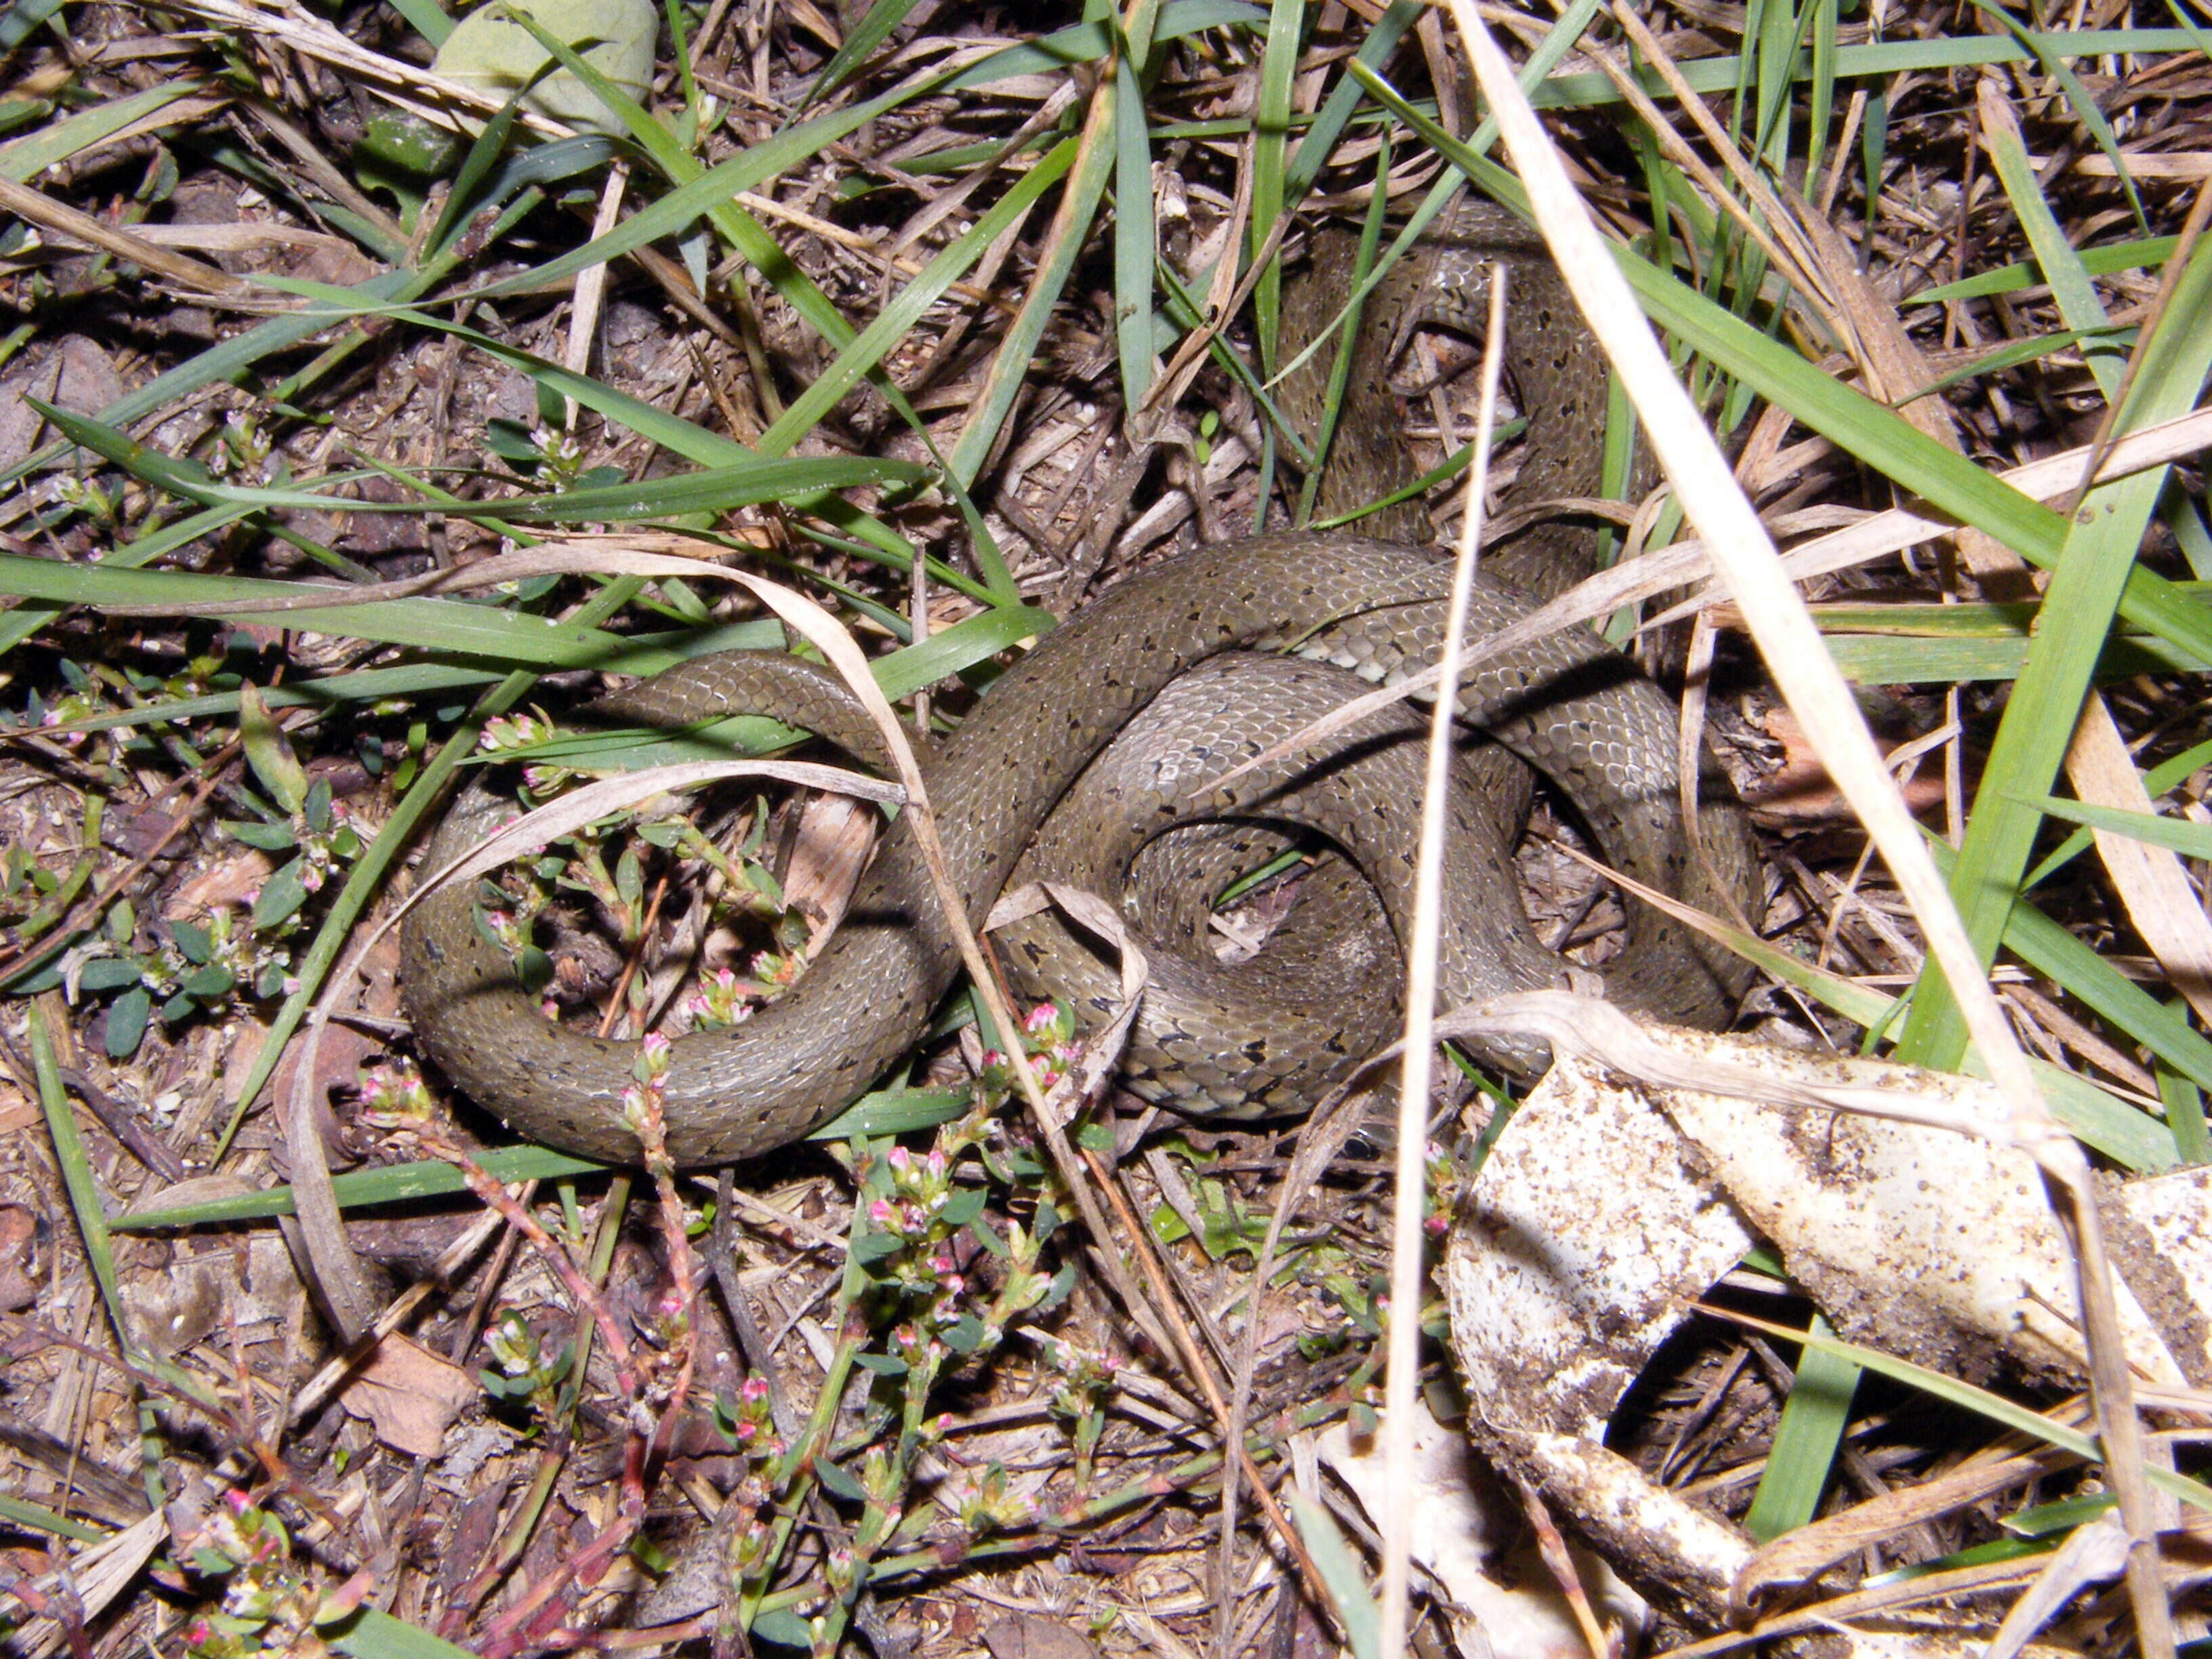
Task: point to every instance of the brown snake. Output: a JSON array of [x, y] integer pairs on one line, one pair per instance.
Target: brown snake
[[1571, 707]]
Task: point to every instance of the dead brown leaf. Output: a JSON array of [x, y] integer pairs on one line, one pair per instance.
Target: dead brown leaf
[[409, 1396]]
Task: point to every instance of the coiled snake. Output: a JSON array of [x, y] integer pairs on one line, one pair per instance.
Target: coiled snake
[[1351, 609]]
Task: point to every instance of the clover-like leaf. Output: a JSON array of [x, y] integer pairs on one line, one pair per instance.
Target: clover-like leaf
[[491, 52]]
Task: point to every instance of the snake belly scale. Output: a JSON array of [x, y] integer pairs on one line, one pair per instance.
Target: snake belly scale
[[1350, 608]]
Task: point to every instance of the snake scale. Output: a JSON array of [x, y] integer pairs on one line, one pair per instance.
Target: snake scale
[[1327, 613]]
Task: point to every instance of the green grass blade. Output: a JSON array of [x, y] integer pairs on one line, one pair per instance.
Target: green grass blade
[[2156, 782], [2105, 344], [1592, 90], [34, 1518], [24, 159], [1136, 238], [1993, 1407], [1342, 1575], [2184, 1114], [1088, 163], [2070, 284], [2077, 969], [2176, 834], [1803, 1452], [76, 1167], [767, 256], [1337, 109], [1557, 42], [886, 1112], [893, 322], [717, 186], [396, 1183], [227, 361], [1886, 442], [1082, 43], [425, 18], [1821, 105], [2131, 1137], [1878, 659], [860, 42], [1270, 153], [330, 693], [535, 643], [2078, 97], [2148, 253], [2085, 591], [369, 1634], [713, 490], [366, 878]]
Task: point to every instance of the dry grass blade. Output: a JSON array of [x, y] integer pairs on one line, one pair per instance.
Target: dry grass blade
[[930, 232], [63, 220], [1868, 538], [1594, 1028], [572, 811], [1407, 1234], [1791, 648], [2152, 881]]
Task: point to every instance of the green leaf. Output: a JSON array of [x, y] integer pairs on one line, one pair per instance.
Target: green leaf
[[268, 837], [108, 974], [964, 1206], [196, 944], [782, 1627], [282, 895], [965, 1334], [127, 1018], [208, 984], [269, 751], [871, 1248], [368, 1634]]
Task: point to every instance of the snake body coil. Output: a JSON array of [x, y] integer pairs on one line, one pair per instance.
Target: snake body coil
[[1571, 707]]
